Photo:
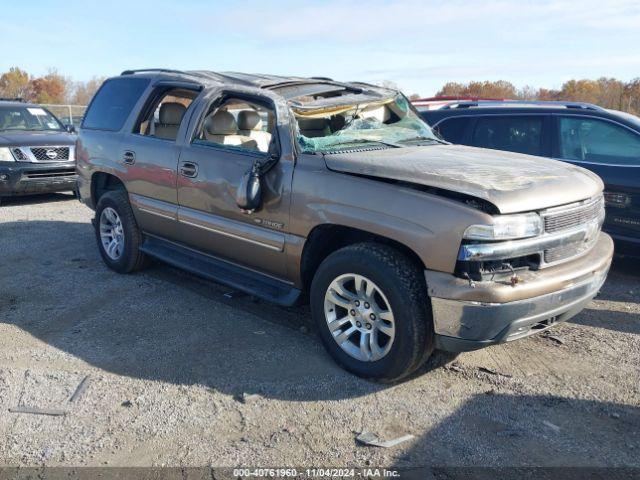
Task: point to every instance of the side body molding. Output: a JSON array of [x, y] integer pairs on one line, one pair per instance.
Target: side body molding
[[241, 231]]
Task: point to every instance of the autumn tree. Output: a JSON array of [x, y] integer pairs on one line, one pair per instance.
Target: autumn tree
[[580, 91], [15, 83], [451, 89], [606, 92], [52, 88], [486, 89], [611, 93], [631, 97], [546, 94]]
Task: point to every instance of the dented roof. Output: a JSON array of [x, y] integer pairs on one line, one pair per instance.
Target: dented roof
[[300, 92]]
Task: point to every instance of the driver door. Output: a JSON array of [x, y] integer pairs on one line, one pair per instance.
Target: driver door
[[230, 133]]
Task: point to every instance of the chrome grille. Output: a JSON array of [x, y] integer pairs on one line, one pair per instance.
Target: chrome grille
[[556, 254], [585, 216], [570, 250], [563, 218], [50, 154], [20, 156], [44, 154]]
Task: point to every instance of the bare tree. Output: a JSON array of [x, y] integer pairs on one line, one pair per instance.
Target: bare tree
[[83, 91]]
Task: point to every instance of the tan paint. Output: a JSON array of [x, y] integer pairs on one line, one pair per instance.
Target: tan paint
[[306, 191]]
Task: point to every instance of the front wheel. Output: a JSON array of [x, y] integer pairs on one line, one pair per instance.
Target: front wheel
[[370, 305]]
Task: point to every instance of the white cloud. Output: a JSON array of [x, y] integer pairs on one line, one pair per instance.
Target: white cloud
[[381, 21]]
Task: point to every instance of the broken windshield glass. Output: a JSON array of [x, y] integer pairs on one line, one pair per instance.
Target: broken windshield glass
[[390, 122]]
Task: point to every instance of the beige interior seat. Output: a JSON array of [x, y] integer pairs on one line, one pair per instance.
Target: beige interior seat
[[170, 116], [221, 127], [314, 127], [250, 125], [382, 114]]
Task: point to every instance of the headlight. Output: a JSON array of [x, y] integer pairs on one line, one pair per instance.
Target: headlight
[[507, 227], [5, 155]]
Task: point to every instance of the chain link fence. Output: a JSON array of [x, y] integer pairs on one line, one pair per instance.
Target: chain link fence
[[67, 114]]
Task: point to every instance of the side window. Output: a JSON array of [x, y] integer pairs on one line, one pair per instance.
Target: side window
[[521, 134], [598, 141], [163, 113], [112, 104], [453, 129], [238, 124]]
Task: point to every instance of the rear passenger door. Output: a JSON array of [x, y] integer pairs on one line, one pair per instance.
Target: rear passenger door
[[149, 154], [612, 151], [520, 133], [227, 134]]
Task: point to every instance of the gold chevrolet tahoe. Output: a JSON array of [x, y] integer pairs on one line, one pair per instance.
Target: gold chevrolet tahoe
[[308, 189]]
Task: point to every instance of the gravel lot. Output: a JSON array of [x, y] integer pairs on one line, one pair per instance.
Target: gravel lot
[[182, 375]]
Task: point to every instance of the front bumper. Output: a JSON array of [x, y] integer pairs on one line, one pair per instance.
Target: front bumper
[[467, 317], [23, 178]]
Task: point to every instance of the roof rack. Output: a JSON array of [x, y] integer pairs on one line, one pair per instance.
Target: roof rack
[[202, 74], [15, 99], [524, 103], [145, 70]]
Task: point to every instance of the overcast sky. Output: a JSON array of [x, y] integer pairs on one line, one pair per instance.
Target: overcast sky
[[419, 45]]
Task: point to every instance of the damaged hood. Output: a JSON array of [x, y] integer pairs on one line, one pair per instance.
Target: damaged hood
[[511, 181]]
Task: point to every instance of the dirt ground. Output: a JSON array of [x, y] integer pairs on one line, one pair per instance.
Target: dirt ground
[[181, 374]]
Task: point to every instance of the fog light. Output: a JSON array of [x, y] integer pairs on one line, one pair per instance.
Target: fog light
[[4, 177]]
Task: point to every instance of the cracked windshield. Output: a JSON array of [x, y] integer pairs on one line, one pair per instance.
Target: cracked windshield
[[388, 122]]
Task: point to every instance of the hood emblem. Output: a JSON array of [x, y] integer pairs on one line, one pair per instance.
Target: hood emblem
[[51, 153]]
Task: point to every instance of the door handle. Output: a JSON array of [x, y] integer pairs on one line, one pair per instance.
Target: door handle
[[189, 169], [129, 157]]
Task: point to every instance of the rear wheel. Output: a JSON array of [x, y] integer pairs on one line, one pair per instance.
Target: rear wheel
[[370, 304], [117, 233]]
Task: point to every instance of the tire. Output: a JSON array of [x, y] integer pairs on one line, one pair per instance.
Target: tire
[[128, 258], [397, 283]]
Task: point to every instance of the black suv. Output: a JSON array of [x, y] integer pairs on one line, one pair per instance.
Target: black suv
[[607, 142], [37, 152]]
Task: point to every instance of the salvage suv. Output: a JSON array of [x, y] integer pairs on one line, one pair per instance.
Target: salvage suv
[[307, 188], [36, 151]]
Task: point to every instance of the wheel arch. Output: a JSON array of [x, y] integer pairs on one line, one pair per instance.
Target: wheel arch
[[102, 182], [324, 239]]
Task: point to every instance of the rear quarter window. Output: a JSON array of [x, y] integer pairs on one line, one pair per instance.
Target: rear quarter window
[[112, 104]]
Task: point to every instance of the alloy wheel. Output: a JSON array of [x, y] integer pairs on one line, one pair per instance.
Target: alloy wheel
[[359, 317], [111, 233]]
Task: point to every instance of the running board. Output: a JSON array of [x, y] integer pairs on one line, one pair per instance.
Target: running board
[[211, 268]]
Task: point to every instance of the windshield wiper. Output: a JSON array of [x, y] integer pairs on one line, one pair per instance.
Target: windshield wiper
[[363, 140], [424, 139]]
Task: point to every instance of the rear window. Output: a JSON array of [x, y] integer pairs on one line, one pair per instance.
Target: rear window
[[113, 103]]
